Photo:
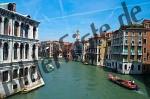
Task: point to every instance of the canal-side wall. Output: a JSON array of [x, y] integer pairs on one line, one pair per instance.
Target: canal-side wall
[[125, 67], [24, 81]]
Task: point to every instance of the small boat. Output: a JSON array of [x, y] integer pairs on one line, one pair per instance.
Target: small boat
[[85, 62], [124, 83], [50, 67]]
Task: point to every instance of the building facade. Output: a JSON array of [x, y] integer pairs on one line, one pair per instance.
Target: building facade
[[46, 49], [18, 52], [93, 50], [146, 47], [85, 48], [66, 51], [126, 50], [104, 48]]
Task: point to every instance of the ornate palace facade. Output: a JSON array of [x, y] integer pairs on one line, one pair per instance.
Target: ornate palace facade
[[18, 52]]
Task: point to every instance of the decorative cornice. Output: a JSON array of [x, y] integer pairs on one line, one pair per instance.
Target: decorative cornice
[[19, 17]]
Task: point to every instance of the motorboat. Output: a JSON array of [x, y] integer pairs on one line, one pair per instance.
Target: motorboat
[[124, 83]]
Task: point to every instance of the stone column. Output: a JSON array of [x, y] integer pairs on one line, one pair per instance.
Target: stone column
[[36, 33], [10, 51], [2, 26], [18, 52], [30, 51], [31, 32], [36, 52], [11, 27], [19, 28]]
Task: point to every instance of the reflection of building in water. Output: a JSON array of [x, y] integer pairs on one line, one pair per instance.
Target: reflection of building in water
[[18, 52]]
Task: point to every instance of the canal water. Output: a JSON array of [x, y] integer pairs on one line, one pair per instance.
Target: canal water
[[73, 80]]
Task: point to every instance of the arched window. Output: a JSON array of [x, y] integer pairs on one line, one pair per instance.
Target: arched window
[[26, 51], [5, 51], [33, 51], [34, 32], [6, 26], [16, 27], [22, 30], [125, 67], [26, 71], [21, 51], [26, 31], [16, 45]]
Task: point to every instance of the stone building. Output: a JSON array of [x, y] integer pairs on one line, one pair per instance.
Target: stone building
[[126, 49], [85, 48], [146, 47], [46, 49], [108, 50], [103, 48], [18, 52], [93, 50], [66, 50]]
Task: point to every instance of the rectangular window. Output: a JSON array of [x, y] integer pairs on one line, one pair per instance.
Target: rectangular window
[[125, 67], [139, 67], [144, 50], [140, 33], [132, 42], [144, 41], [15, 73], [5, 76], [126, 41], [15, 86]]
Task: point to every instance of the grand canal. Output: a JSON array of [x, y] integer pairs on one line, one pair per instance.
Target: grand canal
[[73, 80]]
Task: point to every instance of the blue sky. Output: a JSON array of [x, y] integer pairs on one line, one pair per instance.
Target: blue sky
[[59, 17]]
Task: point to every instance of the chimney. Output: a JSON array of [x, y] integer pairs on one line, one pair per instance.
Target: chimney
[[12, 7]]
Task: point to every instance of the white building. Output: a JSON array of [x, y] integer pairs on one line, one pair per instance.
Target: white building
[[18, 52]]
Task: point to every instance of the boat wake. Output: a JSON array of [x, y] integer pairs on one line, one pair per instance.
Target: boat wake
[[140, 92]]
